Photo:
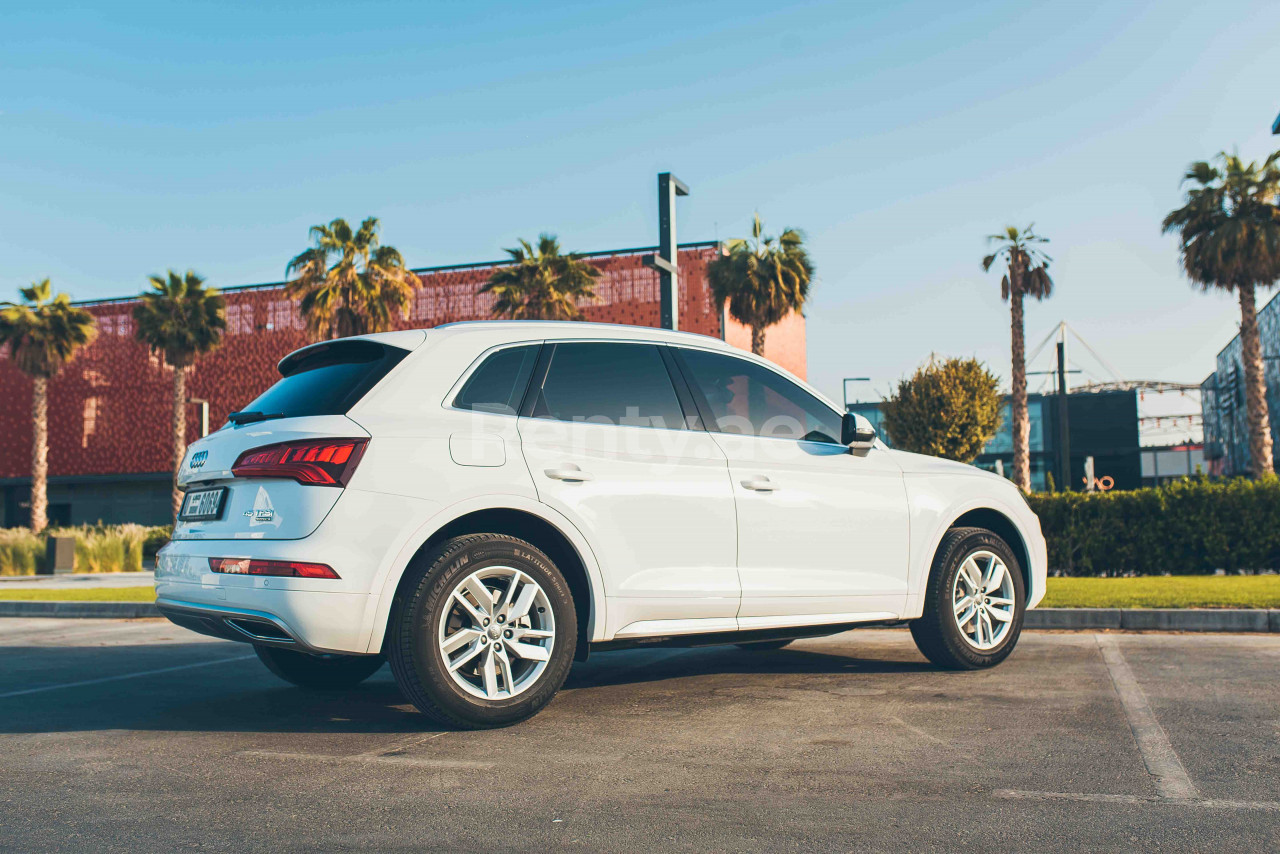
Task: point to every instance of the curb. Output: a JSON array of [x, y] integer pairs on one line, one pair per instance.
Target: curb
[[88, 610], [1155, 619]]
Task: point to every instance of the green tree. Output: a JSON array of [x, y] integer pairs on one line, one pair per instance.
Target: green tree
[[948, 408], [763, 279], [1027, 275], [43, 332], [541, 284], [348, 283], [180, 319], [1229, 238]]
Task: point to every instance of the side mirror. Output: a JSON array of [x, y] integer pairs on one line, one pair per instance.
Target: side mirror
[[857, 432]]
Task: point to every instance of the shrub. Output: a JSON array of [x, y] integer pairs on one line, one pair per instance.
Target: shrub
[[99, 548], [948, 408], [1188, 527]]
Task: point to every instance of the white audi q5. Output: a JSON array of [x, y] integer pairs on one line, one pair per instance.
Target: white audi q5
[[481, 503]]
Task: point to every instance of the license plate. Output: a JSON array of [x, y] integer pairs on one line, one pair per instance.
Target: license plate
[[203, 505]]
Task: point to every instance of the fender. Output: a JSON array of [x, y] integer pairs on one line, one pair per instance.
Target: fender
[[383, 589], [932, 519]]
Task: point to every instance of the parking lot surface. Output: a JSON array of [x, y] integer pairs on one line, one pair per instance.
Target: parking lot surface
[[137, 735]]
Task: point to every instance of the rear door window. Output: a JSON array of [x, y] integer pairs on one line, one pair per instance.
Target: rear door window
[[327, 380], [499, 383], [608, 383]]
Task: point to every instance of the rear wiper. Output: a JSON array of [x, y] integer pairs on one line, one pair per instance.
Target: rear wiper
[[250, 417]]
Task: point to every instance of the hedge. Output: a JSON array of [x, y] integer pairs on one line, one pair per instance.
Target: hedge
[[99, 548], [1188, 527]]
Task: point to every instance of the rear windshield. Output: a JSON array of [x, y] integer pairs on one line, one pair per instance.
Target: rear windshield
[[327, 380]]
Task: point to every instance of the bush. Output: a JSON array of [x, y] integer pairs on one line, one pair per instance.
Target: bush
[[948, 408], [1188, 527], [99, 548]]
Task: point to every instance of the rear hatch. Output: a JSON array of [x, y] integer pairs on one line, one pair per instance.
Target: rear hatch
[[278, 466]]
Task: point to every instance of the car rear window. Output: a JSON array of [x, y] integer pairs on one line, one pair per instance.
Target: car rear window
[[328, 379], [499, 383]]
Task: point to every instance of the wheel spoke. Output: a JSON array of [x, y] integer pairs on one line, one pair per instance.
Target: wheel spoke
[[519, 632], [995, 576], [1000, 601], [529, 651], [990, 632], [482, 594], [489, 670], [504, 667], [459, 638], [464, 658], [477, 616], [963, 604], [509, 594], [523, 603], [963, 619], [1002, 616]]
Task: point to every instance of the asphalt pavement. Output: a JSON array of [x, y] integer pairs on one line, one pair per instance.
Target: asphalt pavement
[[137, 735]]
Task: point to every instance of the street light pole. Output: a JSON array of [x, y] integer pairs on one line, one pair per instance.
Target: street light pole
[[666, 263]]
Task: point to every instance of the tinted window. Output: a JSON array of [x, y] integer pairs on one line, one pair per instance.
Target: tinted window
[[625, 384], [752, 400], [499, 383], [328, 379]]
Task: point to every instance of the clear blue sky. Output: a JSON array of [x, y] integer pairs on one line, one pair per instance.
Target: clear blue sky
[[136, 137]]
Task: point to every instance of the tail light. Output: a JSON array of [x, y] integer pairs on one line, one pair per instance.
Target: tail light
[[286, 568], [325, 462]]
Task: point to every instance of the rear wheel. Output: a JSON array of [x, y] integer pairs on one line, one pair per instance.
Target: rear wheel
[[761, 646], [974, 602], [483, 633], [325, 672]]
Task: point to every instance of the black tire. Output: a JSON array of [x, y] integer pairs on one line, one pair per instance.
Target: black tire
[[762, 646], [322, 672], [423, 601], [936, 633]]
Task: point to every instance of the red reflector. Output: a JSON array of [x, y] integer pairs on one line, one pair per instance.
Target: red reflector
[[324, 462], [286, 568]]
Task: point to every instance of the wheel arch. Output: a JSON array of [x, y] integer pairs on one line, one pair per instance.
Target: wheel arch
[[574, 559], [1003, 527]]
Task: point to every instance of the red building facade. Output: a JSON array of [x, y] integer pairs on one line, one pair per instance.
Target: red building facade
[[109, 410]]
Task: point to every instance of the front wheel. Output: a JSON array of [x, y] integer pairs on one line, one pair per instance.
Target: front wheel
[[323, 672], [483, 633], [974, 602]]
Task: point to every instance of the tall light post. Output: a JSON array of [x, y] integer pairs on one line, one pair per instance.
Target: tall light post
[[666, 263]]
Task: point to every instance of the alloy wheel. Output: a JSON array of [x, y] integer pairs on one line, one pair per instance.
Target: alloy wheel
[[496, 633], [982, 600]]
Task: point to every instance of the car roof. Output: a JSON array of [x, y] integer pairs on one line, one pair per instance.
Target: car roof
[[551, 329]]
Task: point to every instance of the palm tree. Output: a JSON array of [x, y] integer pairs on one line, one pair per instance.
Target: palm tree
[[43, 333], [763, 279], [349, 284], [541, 284], [180, 319], [1027, 276], [1229, 236]]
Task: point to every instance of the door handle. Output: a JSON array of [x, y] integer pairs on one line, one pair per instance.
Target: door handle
[[759, 484], [569, 474]]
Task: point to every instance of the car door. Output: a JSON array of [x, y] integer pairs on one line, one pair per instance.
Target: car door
[[821, 530], [608, 445]]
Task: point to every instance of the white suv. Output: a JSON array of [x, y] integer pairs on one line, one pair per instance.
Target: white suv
[[480, 503]]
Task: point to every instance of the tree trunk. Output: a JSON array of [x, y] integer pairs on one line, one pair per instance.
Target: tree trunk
[[40, 455], [1018, 399], [179, 432], [1255, 386], [757, 340]]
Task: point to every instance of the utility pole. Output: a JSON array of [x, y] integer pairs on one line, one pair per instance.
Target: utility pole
[[1064, 421], [666, 262]]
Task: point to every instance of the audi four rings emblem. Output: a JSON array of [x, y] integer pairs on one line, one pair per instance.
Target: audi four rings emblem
[[197, 459]]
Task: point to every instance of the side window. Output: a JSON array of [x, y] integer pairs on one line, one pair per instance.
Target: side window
[[751, 400], [499, 383], [607, 383]]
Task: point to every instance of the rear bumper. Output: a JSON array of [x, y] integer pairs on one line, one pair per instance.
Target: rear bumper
[[302, 620]]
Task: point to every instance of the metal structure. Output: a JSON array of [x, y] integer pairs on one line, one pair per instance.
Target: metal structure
[[1275, 126], [669, 186]]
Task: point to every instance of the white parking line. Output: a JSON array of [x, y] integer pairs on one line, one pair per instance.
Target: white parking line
[[42, 688], [1172, 780], [1205, 803]]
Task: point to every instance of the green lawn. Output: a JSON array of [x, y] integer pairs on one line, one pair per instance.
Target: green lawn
[[1184, 591], [88, 594], [1179, 591]]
